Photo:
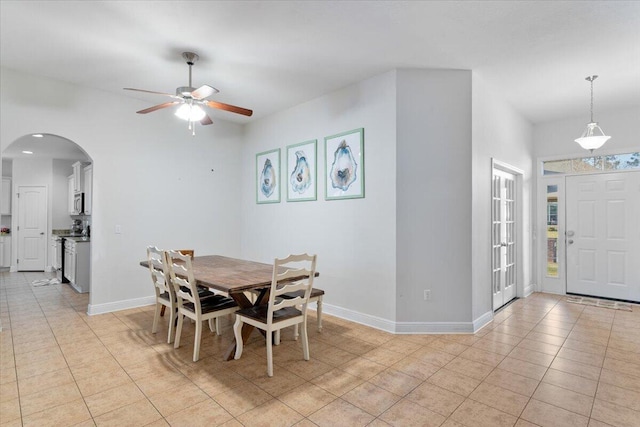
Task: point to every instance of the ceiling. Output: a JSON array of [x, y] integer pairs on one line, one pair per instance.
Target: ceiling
[[271, 55]]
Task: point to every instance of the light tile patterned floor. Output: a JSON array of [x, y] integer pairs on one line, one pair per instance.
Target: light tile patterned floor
[[541, 362]]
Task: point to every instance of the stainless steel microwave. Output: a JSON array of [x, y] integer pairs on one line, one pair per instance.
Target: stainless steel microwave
[[78, 203]]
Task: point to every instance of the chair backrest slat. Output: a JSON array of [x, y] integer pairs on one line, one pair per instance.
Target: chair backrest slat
[[184, 283], [290, 278], [159, 271]]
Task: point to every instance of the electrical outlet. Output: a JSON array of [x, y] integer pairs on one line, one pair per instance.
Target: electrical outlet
[[427, 294], [118, 229]]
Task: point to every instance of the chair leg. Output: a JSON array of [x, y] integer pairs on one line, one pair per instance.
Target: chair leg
[[218, 327], [196, 341], [305, 340], [156, 319], [237, 332], [172, 326], [319, 313], [269, 353], [176, 343], [212, 327], [276, 340]]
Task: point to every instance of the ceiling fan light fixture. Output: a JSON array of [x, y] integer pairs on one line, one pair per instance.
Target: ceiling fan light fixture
[[190, 112], [593, 136]]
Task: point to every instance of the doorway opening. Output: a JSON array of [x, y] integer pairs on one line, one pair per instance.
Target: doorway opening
[[589, 233], [506, 233], [43, 175]]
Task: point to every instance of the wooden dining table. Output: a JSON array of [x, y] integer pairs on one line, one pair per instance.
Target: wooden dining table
[[235, 277]]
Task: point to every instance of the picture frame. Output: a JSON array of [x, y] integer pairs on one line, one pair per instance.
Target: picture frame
[[302, 171], [268, 177], [344, 165]]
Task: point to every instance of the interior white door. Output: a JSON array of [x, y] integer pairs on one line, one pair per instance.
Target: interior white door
[[32, 226], [503, 237], [603, 235]]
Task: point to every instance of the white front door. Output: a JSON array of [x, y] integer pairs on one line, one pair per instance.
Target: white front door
[[32, 227], [503, 237], [603, 235]]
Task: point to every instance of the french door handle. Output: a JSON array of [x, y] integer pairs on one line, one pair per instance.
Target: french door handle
[[503, 244]]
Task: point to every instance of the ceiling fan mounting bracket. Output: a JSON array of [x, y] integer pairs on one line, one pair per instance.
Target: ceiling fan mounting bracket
[[190, 57]]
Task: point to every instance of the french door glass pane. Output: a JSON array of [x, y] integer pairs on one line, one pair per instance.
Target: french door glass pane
[[552, 230]]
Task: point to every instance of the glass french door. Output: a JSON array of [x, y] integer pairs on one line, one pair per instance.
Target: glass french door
[[503, 237]]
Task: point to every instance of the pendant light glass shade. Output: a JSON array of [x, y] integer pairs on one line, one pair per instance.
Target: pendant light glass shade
[[190, 112], [593, 136]]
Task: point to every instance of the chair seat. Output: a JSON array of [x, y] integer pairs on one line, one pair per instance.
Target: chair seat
[[165, 295], [315, 292], [260, 313], [212, 303], [202, 292]]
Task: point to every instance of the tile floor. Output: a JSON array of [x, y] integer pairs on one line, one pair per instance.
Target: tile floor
[[541, 362]]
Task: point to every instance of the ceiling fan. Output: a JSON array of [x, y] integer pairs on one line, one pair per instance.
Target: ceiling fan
[[191, 100]]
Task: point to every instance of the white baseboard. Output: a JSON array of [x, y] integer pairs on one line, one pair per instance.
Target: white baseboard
[[94, 309], [528, 290], [408, 327], [482, 321], [363, 319]]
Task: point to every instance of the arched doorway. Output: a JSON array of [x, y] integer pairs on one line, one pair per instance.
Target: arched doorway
[[45, 176]]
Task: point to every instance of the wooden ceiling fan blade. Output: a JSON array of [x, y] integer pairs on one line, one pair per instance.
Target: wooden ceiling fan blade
[[228, 107], [157, 107], [206, 121], [204, 91]]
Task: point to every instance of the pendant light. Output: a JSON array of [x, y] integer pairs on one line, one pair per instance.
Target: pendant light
[[593, 136]]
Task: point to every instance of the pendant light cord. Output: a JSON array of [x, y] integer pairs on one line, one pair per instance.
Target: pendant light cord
[[591, 79]]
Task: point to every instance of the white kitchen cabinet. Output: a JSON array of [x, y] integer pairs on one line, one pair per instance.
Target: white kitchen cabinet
[[77, 267], [5, 209], [53, 257], [70, 261], [5, 251], [72, 209], [88, 182], [78, 177]]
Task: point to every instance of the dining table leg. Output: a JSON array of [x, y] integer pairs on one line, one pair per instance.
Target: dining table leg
[[244, 302]]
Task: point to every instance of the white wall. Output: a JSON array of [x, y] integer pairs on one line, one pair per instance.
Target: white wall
[[354, 239], [150, 177], [434, 196], [502, 133]]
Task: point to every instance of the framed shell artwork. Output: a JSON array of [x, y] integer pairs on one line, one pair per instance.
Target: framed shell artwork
[[302, 171], [344, 165], [268, 176]]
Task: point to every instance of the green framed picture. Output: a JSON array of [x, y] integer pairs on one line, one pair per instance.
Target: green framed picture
[[302, 171], [268, 176], [344, 165]]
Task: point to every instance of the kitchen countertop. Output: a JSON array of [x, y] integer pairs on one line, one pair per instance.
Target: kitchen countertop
[[78, 238]]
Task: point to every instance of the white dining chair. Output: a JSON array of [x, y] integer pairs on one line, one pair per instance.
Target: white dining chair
[[165, 295], [191, 304], [280, 312]]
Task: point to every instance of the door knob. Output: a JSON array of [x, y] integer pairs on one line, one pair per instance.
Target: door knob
[[42, 234], [570, 241], [570, 233], [503, 244]]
